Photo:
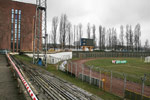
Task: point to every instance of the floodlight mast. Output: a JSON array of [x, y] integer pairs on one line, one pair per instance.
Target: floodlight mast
[[40, 32]]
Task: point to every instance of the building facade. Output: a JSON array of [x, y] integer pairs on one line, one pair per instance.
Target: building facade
[[16, 26]]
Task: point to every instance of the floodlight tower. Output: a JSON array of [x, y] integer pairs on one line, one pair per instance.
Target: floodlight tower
[[40, 32]]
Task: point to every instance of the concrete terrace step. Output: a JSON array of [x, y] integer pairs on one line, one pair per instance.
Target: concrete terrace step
[[8, 86]]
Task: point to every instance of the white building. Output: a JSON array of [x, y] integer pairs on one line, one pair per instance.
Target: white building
[[147, 59]]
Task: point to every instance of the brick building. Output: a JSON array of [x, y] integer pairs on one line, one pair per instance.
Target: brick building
[[16, 25]]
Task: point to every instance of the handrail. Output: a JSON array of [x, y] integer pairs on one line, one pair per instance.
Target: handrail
[[29, 90]]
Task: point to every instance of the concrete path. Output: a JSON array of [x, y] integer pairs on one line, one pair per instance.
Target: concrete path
[[8, 86]]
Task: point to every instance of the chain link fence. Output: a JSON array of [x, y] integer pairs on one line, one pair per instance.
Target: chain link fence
[[120, 84], [109, 54]]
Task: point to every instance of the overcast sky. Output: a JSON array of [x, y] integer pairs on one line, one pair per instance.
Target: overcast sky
[[108, 13]]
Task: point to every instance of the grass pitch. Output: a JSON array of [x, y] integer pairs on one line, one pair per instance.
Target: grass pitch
[[134, 69], [134, 66]]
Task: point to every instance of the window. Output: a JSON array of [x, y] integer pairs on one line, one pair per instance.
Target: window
[[16, 11], [19, 26], [15, 29], [12, 21]]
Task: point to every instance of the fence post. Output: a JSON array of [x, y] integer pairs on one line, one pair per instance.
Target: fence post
[[58, 66], [82, 71], [104, 80], [71, 68], [124, 87], [111, 82], [91, 74], [142, 91], [67, 66], [76, 69], [100, 78]]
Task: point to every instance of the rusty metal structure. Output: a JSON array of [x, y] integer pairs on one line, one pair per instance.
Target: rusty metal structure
[[40, 32]]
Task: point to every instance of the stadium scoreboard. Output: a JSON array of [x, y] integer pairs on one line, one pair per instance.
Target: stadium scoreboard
[[87, 42]]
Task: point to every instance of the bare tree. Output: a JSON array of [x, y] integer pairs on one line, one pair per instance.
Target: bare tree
[[127, 36], [131, 38], [110, 38], [100, 37], [61, 33], [107, 38], [54, 30], [69, 26], [146, 46], [121, 36], [63, 30], [80, 32], [74, 36], [114, 38], [137, 35], [94, 37], [77, 33], [49, 42], [103, 37], [88, 30]]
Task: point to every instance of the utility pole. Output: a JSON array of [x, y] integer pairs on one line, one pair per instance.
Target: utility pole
[[40, 31], [34, 38]]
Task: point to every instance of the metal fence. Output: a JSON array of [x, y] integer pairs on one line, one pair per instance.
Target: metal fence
[[109, 54], [114, 82]]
